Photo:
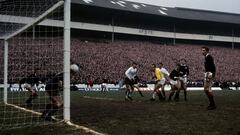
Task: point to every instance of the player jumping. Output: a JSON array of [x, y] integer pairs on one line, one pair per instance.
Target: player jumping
[[53, 88]]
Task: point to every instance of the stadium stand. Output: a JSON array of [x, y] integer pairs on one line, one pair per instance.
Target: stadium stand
[[103, 59]]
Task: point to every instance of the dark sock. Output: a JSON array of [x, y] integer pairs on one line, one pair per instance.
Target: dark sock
[[163, 92], [210, 98], [140, 93], [176, 96], [159, 95], [48, 108], [185, 95], [53, 111], [29, 100]]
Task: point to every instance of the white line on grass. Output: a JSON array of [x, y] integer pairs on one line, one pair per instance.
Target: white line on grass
[[111, 99], [87, 130]]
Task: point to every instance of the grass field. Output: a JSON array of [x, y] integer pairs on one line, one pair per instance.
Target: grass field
[[108, 113]]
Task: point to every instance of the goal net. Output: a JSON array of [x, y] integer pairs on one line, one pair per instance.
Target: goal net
[[31, 53]]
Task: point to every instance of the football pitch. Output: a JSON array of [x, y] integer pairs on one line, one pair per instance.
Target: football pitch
[[109, 113]]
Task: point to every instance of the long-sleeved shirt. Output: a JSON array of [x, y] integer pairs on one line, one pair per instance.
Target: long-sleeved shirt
[[158, 74], [209, 64], [131, 73]]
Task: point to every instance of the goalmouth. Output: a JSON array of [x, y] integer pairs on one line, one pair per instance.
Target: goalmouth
[[38, 49]]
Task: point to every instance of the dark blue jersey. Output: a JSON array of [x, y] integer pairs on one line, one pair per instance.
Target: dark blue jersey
[[174, 74], [53, 84], [209, 64], [32, 79], [183, 70]]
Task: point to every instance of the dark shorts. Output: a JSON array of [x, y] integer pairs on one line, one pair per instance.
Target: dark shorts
[[128, 81]]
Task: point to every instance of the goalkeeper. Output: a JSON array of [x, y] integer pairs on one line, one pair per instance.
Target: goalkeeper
[[53, 88]]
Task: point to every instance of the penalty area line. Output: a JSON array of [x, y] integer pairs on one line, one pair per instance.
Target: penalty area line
[[87, 130]]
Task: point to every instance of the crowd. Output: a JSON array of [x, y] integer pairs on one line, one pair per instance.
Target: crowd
[[109, 60]]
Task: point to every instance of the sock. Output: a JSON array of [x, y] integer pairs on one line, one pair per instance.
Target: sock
[[140, 93], [170, 96], [212, 103], [48, 108], [160, 95], [29, 100], [210, 98], [154, 95], [177, 96], [163, 93], [185, 95], [130, 94], [127, 93], [52, 111]]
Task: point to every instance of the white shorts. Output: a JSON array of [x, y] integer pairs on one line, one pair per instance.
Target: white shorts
[[173, 82], [161, 82], [183, 79], [104, 85], [29, 86], [208, 75]]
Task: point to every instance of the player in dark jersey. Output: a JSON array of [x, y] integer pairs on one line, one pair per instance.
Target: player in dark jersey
[[30, 84], [137, 85], [174, 82], [53, 88], [210, 71], [183, 74]]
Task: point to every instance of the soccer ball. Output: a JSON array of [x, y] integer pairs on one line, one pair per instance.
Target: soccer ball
[[74, 68]]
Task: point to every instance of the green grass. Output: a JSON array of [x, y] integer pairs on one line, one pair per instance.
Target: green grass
[[109, 113]]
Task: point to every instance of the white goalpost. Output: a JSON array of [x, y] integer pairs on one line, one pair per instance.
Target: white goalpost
[[34, 39]]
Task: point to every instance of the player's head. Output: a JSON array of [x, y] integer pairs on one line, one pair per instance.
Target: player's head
[[74, 68], [134, 65], [160, 64], [177, 67], [205, 50], [183, 61], [153, 66]]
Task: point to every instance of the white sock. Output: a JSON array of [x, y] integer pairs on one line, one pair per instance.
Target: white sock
[[154, 95]]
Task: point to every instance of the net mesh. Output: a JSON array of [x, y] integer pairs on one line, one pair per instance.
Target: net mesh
[[37, 50]]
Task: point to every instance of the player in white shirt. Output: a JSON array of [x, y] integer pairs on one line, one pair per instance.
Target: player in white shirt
[[166, 76], [131, 73]]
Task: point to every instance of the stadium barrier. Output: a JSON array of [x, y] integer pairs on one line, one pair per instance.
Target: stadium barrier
[[109, 87]]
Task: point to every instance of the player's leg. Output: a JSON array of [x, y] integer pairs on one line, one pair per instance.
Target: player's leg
[[49, 105], [129, 89], [157, 92], [33, 94], [184, 88], [139, 91], [172, 91], [178, 86], [209, 93], [128, 93], [163, 91], [57, 103], [53, 107]]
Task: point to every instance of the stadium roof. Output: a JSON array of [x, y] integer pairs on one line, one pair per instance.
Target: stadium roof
[[181, 13]]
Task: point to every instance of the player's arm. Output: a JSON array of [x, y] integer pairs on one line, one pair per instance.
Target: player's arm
[[187, 71], [60, 83], [127, 73]]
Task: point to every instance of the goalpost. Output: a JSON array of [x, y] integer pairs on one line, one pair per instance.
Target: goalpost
[[34, 38]]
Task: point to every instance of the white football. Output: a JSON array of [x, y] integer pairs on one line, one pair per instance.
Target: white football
[[74, 68]]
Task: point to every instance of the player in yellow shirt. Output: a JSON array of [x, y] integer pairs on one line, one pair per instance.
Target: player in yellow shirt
[[159, 82]]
